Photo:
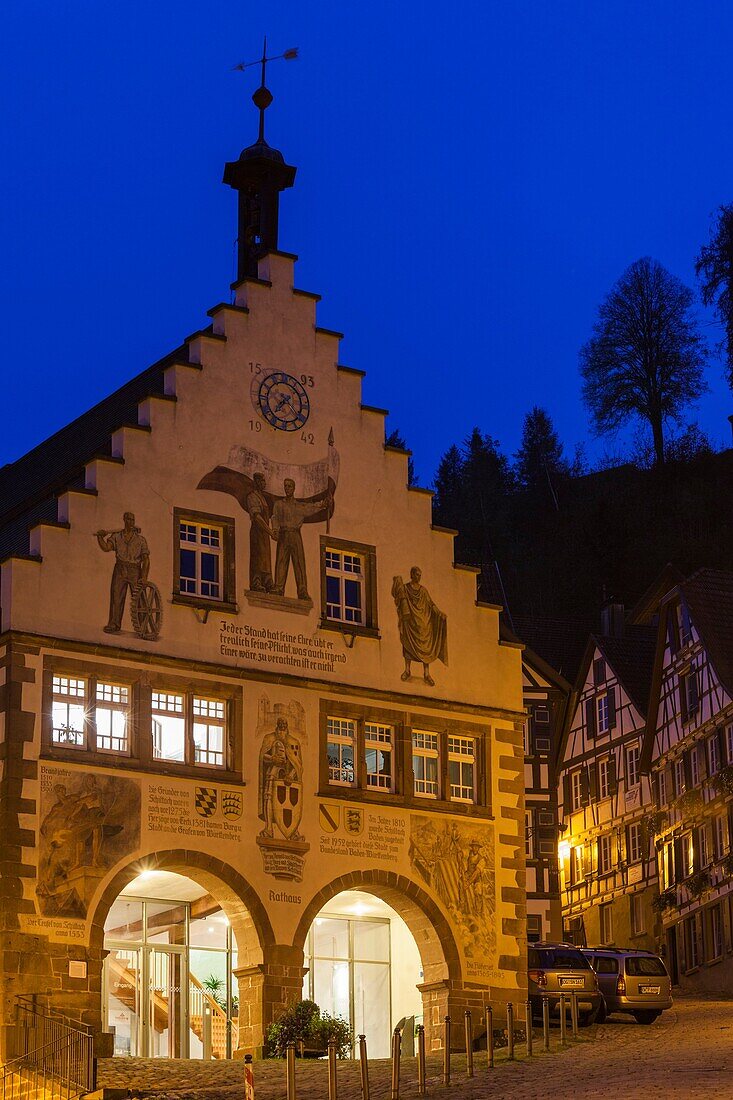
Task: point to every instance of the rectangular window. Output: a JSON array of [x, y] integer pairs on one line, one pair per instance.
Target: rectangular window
[[576, 789], [576, 864], [686, 855], [703, 848], [534, 928], [341, 751], [602, 722], [68, 712], [632, 766], [684, 631], [209, 731], [692, 949], [719, 836], [688, 694], [716, 933], [112, 717], [604, 787], [542, 716], [344, 586], [662, 787], [694, 767], [636, 914], [633, 843], [713, 754], [425, 763], [462, 769], [606, 916], [680, 780], [605, 859], [378, 751], [200, 560], [169, 726]]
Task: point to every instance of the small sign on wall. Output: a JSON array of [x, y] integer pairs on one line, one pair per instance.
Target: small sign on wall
[[77, 968]]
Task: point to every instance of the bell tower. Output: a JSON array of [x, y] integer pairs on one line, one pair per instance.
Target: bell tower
[[259, 176]]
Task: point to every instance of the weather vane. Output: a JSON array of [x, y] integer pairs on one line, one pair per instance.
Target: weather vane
[[262, 98]]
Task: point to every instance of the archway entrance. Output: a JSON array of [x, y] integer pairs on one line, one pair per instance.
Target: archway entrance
[[168, 988], [363, 964]]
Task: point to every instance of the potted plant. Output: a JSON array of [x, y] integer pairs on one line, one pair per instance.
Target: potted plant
[[305, 1025], [665, 900], [698, 883], [723, 780]]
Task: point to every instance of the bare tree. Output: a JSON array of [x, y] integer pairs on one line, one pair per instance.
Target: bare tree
[[646, 356], [714, 268]]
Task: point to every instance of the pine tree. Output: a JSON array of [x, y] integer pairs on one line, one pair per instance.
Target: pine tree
[[540, 463], [714, 268], [448, 484]]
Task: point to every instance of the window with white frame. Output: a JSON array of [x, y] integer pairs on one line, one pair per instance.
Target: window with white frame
[[719, 835], [169, 726], [606, 919], [604, 778], [345, 579], [378, 753], [209, 731], [462, 768], [680, 780], [662, 786], [692, 948], [713, 754], [633, 842], [200, 560], [602, 713], [605, 857], [425, 761], [687, 853], [716, 932], [112, 717], [576, 789], [689, 694], [636, 914], [341, 751], [68, 711], [632, 766], [576, 864], [694, 766], [703, 847]]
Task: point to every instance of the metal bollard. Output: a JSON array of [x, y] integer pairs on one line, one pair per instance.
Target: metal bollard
[[563, 1019], [469, 1042], [528, 1026], [574, 1013], [420, 1032], [546, 1023], [290, 1070], [364, 1066], [490, 1036], [249, 1081], [446, 1051], [396, 1050], [510, 1030], [332, 1081]]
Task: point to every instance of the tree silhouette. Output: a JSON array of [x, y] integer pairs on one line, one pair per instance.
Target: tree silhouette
[[540, 463], [646, 355], [448, 488], [714, 268]]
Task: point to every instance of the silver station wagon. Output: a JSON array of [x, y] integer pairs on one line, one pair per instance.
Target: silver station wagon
[[556, 968], [635, 982]]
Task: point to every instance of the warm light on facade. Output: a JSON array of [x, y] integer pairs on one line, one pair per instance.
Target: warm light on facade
[[563, 851]]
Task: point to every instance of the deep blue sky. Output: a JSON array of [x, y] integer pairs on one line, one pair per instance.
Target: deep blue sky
[[472, 178]]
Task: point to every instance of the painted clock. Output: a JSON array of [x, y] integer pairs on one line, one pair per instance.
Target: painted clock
[[283, 401]]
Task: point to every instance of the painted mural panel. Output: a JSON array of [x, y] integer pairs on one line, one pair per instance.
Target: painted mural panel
[[423, 627], [281, 728]]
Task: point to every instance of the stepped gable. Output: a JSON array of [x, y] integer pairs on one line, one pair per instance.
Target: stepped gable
[[632, 659], [709, 598], [29, 487]]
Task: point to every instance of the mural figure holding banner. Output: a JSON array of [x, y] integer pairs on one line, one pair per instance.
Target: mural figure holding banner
[[423, 627], [288, 516]]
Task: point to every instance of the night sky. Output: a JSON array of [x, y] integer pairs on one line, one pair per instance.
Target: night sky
[[472, 178]]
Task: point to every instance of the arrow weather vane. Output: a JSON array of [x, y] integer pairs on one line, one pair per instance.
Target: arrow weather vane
[[262, 98]]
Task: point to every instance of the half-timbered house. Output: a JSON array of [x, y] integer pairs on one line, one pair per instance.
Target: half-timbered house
[[607, 865], [689, 751]]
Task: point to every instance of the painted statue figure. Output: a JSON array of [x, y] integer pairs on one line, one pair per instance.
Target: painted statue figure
[[280, 802], [288, 517], [260, 534], [132, 564], [423, 627]]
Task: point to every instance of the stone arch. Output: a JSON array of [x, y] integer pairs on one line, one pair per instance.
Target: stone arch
[[242, 905], [436, 943]]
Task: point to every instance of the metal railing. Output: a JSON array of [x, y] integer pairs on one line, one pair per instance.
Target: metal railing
[[54, 1057]]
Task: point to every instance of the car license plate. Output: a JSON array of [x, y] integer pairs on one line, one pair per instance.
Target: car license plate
[[649, 988], [572, 983]]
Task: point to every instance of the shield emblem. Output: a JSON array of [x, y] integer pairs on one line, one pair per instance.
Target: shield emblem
[[288, 806], [231, 804], [329, 817], [205, 801]]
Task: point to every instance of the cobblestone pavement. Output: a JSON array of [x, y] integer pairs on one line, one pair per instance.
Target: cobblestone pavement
[[687, 1053]]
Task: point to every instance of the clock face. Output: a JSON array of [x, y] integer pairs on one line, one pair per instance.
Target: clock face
[[283, 402]]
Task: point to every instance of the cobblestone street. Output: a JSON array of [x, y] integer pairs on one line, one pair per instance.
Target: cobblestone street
[[687, 1052]]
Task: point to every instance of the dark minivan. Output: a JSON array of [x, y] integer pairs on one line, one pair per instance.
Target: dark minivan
[[555, 968]]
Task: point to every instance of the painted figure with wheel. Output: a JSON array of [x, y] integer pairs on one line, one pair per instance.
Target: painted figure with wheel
[[131, 569]]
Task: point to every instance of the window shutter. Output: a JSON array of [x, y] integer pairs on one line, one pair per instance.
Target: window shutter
[[688, 771], [612, 776], [593, 782], [590, 717], [566, 805], [694, 697], [612, 708], [671, 633], [599, 672], [678, 859], [682, 697], [584, 786], [702, 759]]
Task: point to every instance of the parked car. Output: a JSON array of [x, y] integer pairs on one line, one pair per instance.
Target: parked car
[[555, 968], [636, 982]]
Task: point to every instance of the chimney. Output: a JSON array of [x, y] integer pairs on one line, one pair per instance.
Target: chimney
[[612, 619]]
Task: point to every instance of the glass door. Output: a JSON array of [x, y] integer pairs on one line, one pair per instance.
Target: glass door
[[123, 971], [166, 985]]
